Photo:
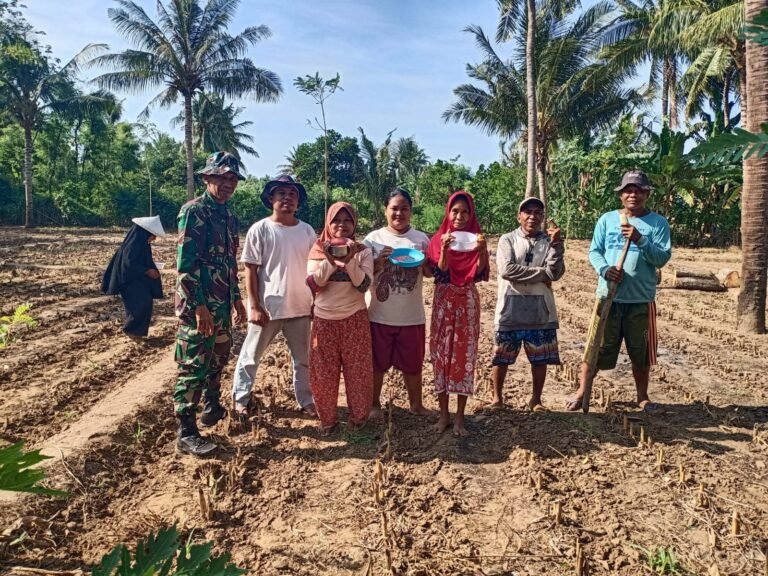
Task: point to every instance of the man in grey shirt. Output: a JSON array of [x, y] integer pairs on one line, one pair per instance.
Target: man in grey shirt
[[528, 261]]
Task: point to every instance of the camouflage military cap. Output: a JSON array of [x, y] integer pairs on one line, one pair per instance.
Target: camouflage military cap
[[220, 163]]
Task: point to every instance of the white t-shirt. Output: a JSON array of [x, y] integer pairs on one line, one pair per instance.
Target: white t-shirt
[[281, 255], [396, 297]]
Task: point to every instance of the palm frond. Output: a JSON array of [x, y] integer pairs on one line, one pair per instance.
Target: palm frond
[[728, 148], [720, 26], [510, 14], [482, 42]]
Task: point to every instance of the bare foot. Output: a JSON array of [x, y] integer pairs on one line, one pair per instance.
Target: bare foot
[[574, 404], [420, 410], [442, 425], [459, 430]]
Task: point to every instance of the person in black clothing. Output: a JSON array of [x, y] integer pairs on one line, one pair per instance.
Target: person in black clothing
[[133, 275]]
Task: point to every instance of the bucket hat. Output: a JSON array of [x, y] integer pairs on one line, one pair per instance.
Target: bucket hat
[[282, 181], [220, 163]]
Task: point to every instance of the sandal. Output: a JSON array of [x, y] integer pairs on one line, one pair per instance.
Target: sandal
[[536, 407], [310, 410], [242, 414], [650, 407], [488, 408]]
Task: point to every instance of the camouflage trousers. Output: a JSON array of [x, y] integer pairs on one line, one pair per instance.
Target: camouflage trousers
[[200, 361]]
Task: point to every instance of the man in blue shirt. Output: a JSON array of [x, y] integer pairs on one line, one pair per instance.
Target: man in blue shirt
[[632, 317]]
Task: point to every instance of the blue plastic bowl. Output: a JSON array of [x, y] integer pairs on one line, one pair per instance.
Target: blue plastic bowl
[[406, 257]]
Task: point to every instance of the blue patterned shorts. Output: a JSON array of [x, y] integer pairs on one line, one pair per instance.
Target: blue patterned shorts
[[540, 347]]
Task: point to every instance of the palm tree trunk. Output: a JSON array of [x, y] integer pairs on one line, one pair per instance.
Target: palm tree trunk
[[726, 102], [665, 93], [29, 220], [672, 87], [740, 57], [188, 146], [750, 310], [541, 170], [530, 80]]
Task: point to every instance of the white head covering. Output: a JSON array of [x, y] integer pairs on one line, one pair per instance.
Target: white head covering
[[151, 224]]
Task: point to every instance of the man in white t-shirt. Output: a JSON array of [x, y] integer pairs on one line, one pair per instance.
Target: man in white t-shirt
[[275, 257]]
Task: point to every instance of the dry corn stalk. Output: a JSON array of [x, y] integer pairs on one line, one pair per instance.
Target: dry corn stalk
[[205, 506], [735, 523], [557, 512], [581, 562], [682, 474]]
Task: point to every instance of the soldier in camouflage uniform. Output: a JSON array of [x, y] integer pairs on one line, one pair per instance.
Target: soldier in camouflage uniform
[[207, 296]]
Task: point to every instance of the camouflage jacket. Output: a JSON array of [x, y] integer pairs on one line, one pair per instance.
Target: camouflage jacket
[[206, 258]]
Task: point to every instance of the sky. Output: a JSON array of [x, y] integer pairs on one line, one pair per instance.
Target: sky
[[399, 62]]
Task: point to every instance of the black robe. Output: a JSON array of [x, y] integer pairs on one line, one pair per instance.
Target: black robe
[[126, 276]]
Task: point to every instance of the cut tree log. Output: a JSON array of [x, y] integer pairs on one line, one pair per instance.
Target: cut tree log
[[703, 284], [729, 278], [682, 273]]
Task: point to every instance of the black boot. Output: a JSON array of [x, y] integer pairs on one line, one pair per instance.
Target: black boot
[[213, 411], [190, 441]]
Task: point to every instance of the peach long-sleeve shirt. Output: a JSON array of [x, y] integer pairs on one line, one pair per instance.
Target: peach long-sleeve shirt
[[340, 290]]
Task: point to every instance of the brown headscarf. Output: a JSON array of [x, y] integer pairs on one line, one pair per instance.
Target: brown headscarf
[[317, 252]]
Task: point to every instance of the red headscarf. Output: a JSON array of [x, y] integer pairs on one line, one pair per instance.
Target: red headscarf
[[462, 265], [317, 252]]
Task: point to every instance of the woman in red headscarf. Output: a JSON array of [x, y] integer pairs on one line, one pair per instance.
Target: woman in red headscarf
[[455, 329], [340, 272]]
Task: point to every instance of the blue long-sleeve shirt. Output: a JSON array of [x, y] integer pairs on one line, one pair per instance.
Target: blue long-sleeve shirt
[[652, 251]]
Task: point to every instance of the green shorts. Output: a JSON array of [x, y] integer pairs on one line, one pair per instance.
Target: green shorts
[[630, 323]]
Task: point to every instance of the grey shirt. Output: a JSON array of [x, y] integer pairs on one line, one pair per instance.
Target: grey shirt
[[524, 301]]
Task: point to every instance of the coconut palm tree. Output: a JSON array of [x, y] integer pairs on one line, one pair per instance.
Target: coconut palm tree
[[575, 93], [511, 13], [750, 309], [378, 171], [215, 127], [31, 86], [646, 32], [711, 35], [186, 50], [409, 161]]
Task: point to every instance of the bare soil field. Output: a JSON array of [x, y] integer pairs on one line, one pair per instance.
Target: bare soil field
[[524, 493]]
